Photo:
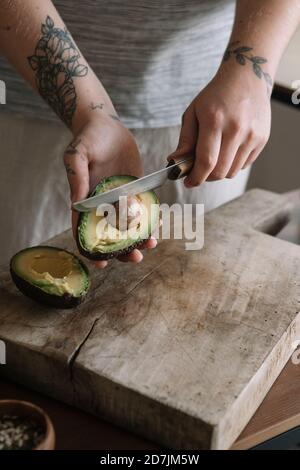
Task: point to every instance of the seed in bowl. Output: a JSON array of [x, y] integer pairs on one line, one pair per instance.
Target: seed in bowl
[[19, 433]]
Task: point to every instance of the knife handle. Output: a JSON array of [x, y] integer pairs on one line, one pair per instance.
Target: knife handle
[[183, 169]]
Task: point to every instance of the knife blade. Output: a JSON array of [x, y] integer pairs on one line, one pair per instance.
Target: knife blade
[[177, 168]]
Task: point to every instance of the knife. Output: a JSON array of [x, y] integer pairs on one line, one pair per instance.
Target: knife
[[177, 168]]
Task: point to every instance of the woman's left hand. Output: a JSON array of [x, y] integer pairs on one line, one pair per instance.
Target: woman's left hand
[[102, 147]]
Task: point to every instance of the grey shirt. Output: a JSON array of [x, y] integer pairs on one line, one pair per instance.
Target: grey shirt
[[152, 56]]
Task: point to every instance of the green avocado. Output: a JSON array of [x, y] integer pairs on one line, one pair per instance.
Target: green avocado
[[51, 276], [99, 239]]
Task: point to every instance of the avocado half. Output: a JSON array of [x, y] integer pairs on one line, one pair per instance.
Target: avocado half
[[50, 275], [108, 244]]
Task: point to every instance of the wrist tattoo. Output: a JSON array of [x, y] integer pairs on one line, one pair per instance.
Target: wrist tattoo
[[101, 106], [56, 64], [243, 56], [96, 106], [115, 117]]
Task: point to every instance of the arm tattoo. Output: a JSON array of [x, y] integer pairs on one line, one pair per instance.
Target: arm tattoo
[[242, 56], [56, 64]]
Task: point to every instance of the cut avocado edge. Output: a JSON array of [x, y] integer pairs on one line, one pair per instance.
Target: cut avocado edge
[[122, 247], [60, 289]]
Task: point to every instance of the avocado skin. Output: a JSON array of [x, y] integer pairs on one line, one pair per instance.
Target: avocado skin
[[97, 256], [106, 256], [65, 301]]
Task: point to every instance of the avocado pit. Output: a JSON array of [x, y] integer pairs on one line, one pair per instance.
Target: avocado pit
[[128, 213], [104, 233]]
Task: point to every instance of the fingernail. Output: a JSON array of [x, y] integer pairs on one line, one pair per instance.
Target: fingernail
[[139, 254]]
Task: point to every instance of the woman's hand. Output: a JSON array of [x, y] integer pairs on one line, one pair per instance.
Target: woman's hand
[[226, 126], [101, 147]]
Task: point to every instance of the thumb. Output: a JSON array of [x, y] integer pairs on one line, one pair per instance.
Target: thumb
[[77, 168], [188, 134]]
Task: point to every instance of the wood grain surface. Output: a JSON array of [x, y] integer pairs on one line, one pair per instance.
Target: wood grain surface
[[181, 348]]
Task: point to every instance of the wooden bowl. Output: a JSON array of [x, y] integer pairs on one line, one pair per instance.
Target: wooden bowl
[[24, 408]]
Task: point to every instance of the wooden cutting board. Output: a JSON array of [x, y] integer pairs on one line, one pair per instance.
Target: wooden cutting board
[[183, 347]]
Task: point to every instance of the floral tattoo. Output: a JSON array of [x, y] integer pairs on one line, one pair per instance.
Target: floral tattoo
[[243, 55], [56, 64]]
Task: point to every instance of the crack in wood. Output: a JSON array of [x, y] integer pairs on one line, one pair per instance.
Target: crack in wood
[[76, 351], [74, 355]]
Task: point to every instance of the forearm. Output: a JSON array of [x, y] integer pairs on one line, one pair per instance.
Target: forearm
[[266, 27], [36, 42]]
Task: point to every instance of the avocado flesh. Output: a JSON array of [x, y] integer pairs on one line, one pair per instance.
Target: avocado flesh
[[54, 271], [96, 237]]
